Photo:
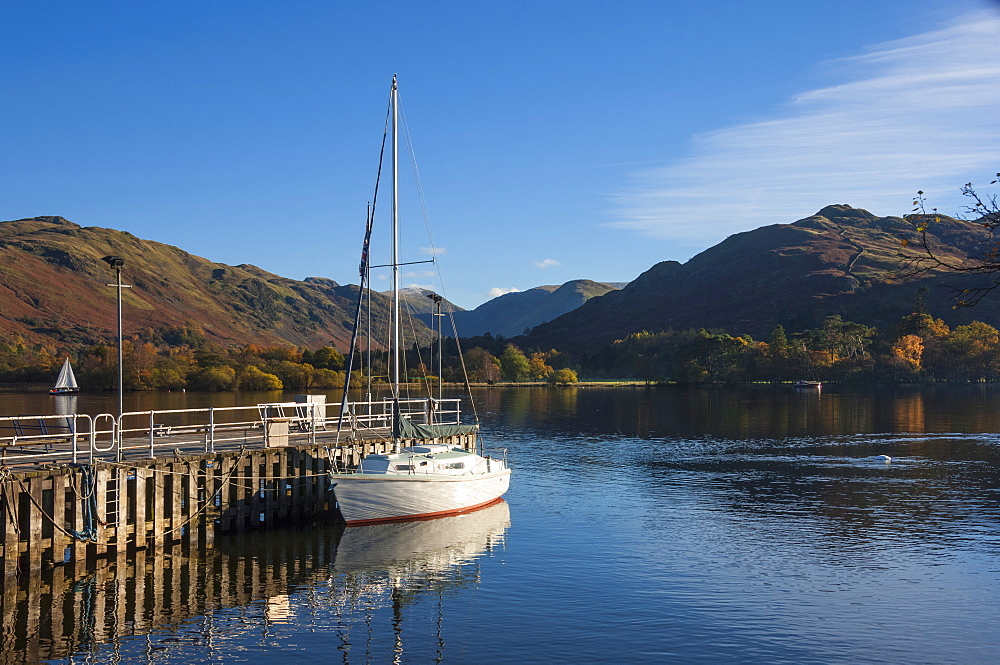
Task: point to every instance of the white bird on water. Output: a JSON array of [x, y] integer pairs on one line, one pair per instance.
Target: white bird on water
[[886, 458]]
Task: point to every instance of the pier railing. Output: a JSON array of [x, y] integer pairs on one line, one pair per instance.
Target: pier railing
[[83, 438]]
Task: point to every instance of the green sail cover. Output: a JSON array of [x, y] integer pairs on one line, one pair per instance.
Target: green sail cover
[[411, 430]]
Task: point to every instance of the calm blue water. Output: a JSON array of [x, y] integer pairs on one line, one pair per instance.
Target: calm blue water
[[736, 525]]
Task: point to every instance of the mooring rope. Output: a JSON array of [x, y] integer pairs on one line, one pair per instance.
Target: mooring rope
[[25, 490], [211, 499], [87, 494], [88, 505]]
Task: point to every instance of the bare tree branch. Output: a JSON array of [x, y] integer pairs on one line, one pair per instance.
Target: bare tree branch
[[969, 243]]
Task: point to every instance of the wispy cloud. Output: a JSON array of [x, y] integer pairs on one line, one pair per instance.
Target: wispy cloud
[[917, 113], [547, 263], [434, 251], [498, 291]]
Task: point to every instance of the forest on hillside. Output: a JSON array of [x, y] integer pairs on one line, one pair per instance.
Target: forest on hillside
[[919, 348]]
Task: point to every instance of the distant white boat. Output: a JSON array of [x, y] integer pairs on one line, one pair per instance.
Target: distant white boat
[[418, 481], [66, 381], [805, 383]]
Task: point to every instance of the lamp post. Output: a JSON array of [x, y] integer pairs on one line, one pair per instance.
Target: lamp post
[[117, 262]]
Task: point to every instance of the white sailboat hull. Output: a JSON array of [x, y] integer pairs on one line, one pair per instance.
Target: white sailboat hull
[[373, 498]]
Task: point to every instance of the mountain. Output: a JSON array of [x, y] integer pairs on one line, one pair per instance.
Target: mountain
[[419, 302], [53, 288], [839, 261], [512, 314]]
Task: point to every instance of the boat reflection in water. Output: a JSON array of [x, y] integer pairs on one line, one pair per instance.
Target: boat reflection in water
[[285, 587], [383, 571]]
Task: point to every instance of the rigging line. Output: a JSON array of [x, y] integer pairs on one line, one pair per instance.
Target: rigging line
[[420, 356], [411, 155], [381, 157], [433, 248], [365, 260], [465, 371]]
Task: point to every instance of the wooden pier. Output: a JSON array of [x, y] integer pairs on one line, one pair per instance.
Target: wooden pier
[[71, 505]]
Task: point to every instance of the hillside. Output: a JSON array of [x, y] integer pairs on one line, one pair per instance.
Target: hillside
[[512, 314], [838, 261], [52, 288]]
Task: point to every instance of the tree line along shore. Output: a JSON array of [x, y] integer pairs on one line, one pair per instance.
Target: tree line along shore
[[919, 348]]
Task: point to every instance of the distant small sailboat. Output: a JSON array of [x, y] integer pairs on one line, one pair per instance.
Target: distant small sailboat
[[806, 383], [66, 381]]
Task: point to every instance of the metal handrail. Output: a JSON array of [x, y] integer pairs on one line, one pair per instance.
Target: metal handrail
[[77, 426], [156, 430]]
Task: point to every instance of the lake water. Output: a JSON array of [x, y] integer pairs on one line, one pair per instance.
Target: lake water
[[720, 525]]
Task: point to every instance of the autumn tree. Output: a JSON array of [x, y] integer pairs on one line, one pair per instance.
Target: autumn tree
[[252, 378], [294, 376], [538, 369], [213, 379], [841, 339], [138, 361], [910, 350], [514, 364], [482, 366], [327, 378], [973, 351], [563, 377], [97, 368], [327, 357]]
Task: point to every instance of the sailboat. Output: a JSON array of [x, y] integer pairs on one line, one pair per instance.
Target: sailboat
[[423, 481], [66, 381]]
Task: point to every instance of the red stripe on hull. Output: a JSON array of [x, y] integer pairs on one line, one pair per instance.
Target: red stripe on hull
[[428, 516]]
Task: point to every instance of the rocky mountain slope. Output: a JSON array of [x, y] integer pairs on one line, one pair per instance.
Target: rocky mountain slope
[[841, 260], [52, 288]]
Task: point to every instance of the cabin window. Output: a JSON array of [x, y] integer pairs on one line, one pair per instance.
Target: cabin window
[[456, 465], [404, 467]]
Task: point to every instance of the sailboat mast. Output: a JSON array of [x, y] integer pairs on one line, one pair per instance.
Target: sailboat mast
[[395, 239]]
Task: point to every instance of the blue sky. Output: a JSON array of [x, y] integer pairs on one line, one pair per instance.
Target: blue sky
[[555, 140]]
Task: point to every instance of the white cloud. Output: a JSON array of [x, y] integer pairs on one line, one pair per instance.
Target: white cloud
[[917, 113], [547, 263], [434, 251], [498, 291]]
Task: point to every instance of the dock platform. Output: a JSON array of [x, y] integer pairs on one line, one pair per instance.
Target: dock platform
[[86, 487]]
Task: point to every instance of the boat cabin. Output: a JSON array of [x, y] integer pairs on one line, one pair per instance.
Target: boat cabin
[[432, 459]]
